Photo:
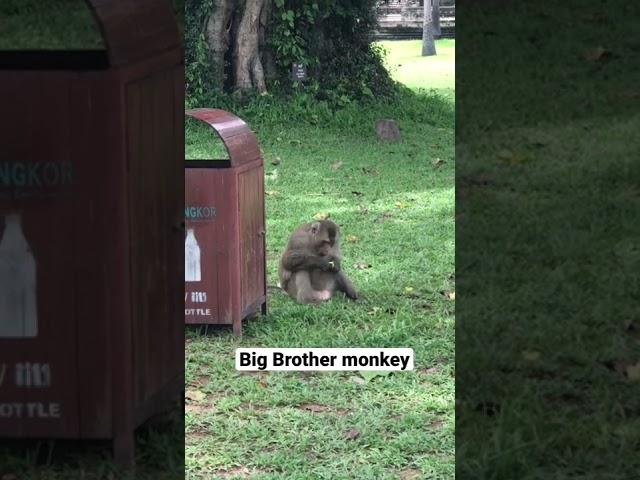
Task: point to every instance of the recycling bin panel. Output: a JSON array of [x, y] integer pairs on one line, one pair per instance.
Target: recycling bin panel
[[91, 206], [225, 259]]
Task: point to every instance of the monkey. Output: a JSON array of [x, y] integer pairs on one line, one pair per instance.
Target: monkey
[[310, 267]]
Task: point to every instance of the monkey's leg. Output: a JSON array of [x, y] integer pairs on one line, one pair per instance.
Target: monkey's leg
[[283, 278], [344, 285], [323, 284], [301, 289]]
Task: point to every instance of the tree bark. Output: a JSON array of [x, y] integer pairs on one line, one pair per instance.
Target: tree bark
[[266, 54], [217, 37], [437, 32], [428, 43], [247, 66]]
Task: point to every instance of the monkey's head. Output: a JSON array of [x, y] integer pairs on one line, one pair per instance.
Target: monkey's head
[[325, 235]]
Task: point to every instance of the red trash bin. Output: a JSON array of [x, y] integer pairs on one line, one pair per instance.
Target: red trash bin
[[91, 198], [225, 259]]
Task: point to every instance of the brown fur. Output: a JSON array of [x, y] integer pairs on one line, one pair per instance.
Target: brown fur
[[310, 270]]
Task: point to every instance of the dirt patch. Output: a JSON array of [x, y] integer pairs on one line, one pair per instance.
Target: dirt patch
[[198, 409], [317, 408], [254, 407], [409, 474], [199, 381], [435, 424], [243, 472]]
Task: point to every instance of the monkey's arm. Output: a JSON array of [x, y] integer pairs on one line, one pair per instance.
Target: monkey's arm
[[344, 285], [294, 261]]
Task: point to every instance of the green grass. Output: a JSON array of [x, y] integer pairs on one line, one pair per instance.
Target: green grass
[[409, 67], [50, 25], [547, 234], [400, 209], [159, 455]]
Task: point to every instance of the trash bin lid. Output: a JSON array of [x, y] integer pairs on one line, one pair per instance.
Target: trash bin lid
[[240, 142], [134, 30]]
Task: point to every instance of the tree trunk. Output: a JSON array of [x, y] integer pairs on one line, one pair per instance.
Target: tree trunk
[[267, 56], [247, 66], [437, 32], [217, 36], [428, 43]]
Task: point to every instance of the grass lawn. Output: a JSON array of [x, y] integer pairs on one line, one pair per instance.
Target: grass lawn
[[395, 205], [55, 24], [408, 66], [548, 254]]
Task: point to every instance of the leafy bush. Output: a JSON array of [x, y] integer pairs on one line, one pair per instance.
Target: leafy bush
[[333, 39]]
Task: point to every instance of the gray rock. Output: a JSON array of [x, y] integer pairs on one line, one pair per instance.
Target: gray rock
[[387, 130]]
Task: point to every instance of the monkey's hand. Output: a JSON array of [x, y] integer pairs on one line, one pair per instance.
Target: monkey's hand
[[332, 265]]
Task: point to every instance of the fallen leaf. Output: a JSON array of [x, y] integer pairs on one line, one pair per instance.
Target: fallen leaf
[[336, 165], [401, 205], [373, 311], [596, 54], [633, 372], [352, 238], [437, 162], [408, 289], [273, 193], [513, 158], [630, 94], [530, 355], [275, 161], [505, 154], [314, 407], [431, 370], [321, 216], [351, 434], [358, 380], [195, 395], [363, 210], [272, 176], [361, 266], [451, 295]]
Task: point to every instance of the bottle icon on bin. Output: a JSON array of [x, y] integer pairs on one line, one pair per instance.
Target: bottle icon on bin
[[18, 304], [192, 271]]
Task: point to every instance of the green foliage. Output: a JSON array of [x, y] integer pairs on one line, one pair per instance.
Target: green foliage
[[199, 84], [331, 38]]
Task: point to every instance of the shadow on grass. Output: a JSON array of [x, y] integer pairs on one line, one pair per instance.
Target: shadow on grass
[[548, 257], [159, 454]]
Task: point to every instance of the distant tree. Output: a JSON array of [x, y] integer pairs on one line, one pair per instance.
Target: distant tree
[[428, 42], [436, 19]]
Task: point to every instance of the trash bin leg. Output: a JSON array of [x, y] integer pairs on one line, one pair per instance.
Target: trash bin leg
[[264, 308], [237, 326], [124, 449]]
